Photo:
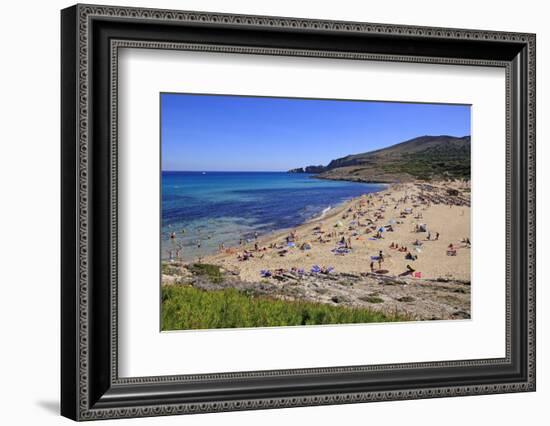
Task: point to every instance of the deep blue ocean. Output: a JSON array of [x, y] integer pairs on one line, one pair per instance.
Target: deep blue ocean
[[203, 209]]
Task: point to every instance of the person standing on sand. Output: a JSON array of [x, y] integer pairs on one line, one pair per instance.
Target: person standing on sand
[[372, 266], [437, 235], [380, 259], [255, 235]]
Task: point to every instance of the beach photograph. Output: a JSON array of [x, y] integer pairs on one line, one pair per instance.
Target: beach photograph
[[281, 212]]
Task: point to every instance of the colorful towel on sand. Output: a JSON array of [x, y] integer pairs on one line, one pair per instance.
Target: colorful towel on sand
[[341, 250], [316, 269]]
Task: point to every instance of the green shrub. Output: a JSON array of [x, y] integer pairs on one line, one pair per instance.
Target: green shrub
[[213, 272], [190, 308], [168, 269]]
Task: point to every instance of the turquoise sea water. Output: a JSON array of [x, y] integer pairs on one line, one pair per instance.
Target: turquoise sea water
[[204, 209]]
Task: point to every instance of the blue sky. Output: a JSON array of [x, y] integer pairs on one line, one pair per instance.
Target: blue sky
[[237, 133]]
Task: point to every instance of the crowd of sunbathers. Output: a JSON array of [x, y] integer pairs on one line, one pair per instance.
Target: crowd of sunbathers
[[279, 272], [395, 246], [363, 220]]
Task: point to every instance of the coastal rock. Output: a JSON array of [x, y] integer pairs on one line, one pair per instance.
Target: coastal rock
[[309, 169], [315, 169], [416, 298], [298, 170], [424, 158]]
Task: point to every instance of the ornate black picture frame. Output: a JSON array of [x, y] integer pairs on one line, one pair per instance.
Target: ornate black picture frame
[[91, 36]]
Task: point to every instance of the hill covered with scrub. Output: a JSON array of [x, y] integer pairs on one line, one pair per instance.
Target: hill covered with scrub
[[422, 158]]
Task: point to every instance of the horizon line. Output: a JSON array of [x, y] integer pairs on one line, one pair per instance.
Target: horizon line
[[292, 168], [228, 171]]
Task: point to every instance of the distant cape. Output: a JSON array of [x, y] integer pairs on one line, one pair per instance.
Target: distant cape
[[421, 158]]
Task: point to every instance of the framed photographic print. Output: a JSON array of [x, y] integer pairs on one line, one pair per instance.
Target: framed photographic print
[[263, 212]]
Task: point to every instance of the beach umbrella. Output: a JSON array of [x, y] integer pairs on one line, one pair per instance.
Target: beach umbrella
[[338, 224]]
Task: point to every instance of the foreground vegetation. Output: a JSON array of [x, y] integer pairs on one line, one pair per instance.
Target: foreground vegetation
[[185, 307]]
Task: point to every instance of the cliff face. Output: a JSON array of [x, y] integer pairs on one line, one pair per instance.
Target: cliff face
[[309, 169], [298, 170], [315, 169], [425, 158]]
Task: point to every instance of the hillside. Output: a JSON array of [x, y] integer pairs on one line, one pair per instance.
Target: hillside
[[423, 158]]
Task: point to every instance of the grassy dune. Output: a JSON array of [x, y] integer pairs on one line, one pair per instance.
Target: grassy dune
[[186, 308]]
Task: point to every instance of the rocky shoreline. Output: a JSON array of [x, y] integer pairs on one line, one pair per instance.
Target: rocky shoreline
[[416, 299]]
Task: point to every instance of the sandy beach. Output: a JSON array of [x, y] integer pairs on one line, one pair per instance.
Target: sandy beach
[[368, 227], [422, 230]]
